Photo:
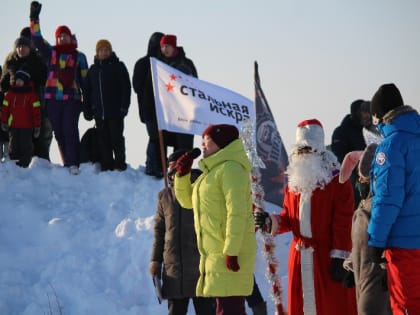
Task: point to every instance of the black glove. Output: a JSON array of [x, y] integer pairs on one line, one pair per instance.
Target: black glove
[[35, 10], [337, 271], [261, 219], [348, 280], [375, 254]]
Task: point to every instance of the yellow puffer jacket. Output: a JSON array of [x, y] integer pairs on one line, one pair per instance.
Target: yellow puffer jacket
[[221, 199]]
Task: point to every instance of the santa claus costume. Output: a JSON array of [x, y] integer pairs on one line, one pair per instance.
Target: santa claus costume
[[318, 211]]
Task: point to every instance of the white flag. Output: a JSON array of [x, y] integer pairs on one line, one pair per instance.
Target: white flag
[[188, 105]]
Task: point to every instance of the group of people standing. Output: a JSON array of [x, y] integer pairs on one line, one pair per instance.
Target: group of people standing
[[341, 261], [60, 85]]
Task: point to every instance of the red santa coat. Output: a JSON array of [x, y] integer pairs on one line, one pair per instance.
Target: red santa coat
[[327, 216]]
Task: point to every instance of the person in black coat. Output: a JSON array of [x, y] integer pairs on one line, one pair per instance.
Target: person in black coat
[[174, 56], [25, 56], [143, 86], [108, 92], [348, 136], [175, 258]]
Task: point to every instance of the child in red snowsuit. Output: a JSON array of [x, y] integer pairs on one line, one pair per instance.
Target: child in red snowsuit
[[21, 116]]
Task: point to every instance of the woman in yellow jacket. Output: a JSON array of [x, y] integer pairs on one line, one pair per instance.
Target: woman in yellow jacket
[[221, 199]]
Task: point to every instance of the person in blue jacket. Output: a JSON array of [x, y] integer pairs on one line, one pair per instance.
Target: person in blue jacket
[[394, 226]]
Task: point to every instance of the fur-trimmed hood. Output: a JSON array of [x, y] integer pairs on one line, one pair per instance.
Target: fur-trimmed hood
[[403, 118]]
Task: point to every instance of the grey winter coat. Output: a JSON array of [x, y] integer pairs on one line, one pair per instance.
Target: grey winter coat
[[175, 245], [371, 292]]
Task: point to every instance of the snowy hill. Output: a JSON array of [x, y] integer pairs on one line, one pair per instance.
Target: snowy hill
[[81, 244]]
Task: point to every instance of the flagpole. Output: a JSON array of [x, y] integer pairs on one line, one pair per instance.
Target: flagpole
[[163, 158]]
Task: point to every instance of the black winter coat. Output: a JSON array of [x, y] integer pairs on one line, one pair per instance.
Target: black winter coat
[[175, 245], [32, 64], [108, 89], [142, 80]]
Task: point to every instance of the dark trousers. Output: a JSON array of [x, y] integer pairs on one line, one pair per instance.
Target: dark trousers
[[153, 158], [64, 118], [230, 305], [255, 298], [42, 144], [111, 143], [202, 306], [20, 145]]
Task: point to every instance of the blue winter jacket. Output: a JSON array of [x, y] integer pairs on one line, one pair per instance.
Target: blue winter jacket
[[395, 184]]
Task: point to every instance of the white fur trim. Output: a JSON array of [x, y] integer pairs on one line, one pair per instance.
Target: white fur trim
[[308, 286], [305, 215], [338, 253]]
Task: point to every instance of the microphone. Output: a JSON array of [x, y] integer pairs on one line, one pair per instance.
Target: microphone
[[194, 153]]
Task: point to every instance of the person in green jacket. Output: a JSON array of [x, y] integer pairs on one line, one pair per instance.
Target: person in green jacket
[[223, 221]]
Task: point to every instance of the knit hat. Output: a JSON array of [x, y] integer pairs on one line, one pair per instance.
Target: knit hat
[[24, 76], [103, 43], [169, 40], [22, 41], [62, 29], [26, 32], [310, 133], [385, 99], [366, 158], [222, 134]]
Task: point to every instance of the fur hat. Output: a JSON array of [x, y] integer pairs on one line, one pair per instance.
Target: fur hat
[[310, 133], [22, 41], [169, 40], [62, 29], [222, 134], [385, 99], [23, 75], [366, 158], [103, 43]]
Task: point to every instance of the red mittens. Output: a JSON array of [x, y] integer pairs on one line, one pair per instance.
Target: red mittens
[[232, 263]]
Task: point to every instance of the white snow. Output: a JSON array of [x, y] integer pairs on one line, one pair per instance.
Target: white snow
[[81, 244]]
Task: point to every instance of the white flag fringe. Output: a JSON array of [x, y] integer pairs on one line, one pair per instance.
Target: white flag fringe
[[188, 105]]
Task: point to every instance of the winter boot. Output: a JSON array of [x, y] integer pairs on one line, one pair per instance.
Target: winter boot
[[260, 309]]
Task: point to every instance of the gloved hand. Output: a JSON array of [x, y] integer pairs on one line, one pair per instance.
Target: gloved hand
[[184, 163], [155, 268], [232, 263], [348, 280], [262, 220], [337, 271], [375, 254], [37, 131], [35, 10], [87, 115], [4, 126]]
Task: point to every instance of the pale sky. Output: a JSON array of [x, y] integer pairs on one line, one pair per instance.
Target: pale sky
[[315, 57]]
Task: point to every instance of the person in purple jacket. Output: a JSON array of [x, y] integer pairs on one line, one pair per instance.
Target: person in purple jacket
[[67, 71]]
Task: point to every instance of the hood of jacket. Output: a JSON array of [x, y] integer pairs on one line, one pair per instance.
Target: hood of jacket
[[403, 118], [232, 152]]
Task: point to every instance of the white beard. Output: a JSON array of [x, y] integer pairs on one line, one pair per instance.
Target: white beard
[[307, 172]]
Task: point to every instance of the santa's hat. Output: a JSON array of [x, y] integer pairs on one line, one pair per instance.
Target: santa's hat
[[309, 133]]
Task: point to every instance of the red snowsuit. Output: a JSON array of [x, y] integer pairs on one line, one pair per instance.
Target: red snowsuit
[[329, 221], [21, 108]]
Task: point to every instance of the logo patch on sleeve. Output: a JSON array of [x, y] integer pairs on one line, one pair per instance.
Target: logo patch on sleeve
[[380, 158]]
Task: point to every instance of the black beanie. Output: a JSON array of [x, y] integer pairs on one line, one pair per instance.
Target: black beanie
[[23, 75], [22, 41], [26, 32], [385, 99]]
